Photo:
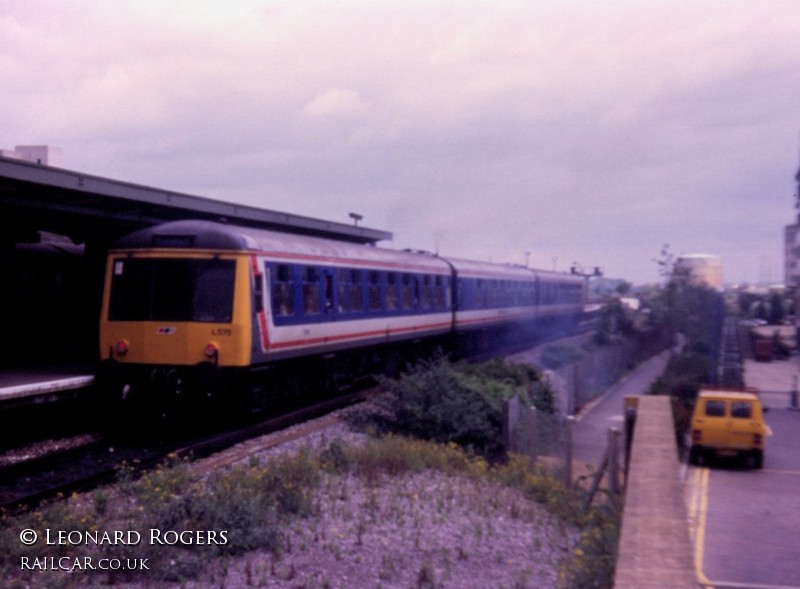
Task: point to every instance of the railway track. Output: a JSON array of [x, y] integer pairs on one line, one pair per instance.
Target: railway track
[[98, 462], [80, 469], [64, 472]]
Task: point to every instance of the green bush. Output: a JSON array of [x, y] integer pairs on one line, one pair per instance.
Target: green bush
[[459, 403]]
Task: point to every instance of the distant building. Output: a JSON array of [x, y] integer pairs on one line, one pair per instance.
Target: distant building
[[46, 155], [702, 269], [791, 245], [791, 242]]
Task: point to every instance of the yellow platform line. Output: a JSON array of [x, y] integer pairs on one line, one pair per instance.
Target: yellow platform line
[[699, 512]]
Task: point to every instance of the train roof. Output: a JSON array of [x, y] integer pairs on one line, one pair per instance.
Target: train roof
[[489, 270], [209, 235]]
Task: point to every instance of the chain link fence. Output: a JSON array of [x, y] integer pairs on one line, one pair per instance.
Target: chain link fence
[[542, 435], [583, 381]]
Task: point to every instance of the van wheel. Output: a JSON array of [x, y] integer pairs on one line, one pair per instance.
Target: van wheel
[[758, 459], [694, 455]]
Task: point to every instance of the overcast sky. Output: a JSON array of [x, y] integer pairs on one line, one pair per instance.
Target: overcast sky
[[590, 132]]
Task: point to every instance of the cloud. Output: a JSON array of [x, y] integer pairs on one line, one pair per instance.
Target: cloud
[[583, 131], [336, 102]]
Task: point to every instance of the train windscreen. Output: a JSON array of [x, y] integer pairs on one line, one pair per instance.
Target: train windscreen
[[161, 289]]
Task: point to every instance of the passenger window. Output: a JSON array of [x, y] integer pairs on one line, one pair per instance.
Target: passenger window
[[392, 296], [356, 295], [283, 291], [374, 291], [741, 409], [423, 293], [438, 293], [311, 288], [406, 300], [715, 408]]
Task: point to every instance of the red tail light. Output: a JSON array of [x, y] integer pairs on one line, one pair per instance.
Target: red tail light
[[758, 439], [697, 436]]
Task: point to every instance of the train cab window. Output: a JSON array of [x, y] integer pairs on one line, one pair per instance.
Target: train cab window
[[311, 290], [159, 289], [283, 291], [374, 291]]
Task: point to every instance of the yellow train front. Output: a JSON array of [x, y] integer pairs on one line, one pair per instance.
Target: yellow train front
[[176, 315]]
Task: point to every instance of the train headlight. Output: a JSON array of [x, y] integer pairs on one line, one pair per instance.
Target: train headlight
[[211, 351], [121, 348]]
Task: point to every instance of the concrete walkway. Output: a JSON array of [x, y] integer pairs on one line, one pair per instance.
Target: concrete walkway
[[592, 423], [655, 549]]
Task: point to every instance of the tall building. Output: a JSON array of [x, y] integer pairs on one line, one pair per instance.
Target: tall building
[[791, 242]]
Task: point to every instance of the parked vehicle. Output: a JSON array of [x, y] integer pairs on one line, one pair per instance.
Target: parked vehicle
[[728, 423]]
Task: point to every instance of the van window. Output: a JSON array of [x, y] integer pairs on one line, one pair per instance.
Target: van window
[[741, 409], [715, 408]]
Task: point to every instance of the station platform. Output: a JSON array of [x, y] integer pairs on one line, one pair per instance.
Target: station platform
[[39, 385]]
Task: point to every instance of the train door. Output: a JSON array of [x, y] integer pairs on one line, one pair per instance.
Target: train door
[[328, 290]]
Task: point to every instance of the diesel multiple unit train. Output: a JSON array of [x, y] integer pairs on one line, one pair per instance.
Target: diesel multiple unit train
[[206, 310]]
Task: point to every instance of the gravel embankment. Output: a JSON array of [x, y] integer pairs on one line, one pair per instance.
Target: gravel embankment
[[424, 530]]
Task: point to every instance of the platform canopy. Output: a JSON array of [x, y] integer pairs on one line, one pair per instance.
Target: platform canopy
[[35, 197]]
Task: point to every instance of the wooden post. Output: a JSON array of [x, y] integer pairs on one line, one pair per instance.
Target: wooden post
[[630, 423], [511, 410], [569, 424], [613, 460], [572, 391], [532, 423], [507, 425]]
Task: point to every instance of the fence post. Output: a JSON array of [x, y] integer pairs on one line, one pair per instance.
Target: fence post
[[569, 424], [630, 405], [613, 460], [793, 395], [511, 410], [572, 390], [506, 425], [532, 423]]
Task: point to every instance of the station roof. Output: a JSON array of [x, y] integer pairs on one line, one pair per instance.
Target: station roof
[[36, 197]]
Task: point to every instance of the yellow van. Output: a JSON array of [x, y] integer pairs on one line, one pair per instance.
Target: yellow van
[[728, 423]]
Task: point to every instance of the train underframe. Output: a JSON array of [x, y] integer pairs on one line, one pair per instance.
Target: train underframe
[[186, 393], [192, 392]]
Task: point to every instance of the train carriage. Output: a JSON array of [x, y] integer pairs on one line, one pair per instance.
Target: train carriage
[[196, 296], [196, 307], [507, 302]]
